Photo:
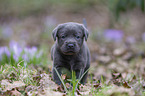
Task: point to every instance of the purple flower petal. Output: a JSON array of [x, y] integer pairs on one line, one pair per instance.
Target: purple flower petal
[[31, 51], [1, 50], [14, 47], [113, 35], [25, 57], [16, 58], [4, 51], [7, 52]]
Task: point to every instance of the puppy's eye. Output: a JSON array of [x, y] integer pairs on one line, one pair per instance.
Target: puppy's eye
[[78, 37], [63, 37]]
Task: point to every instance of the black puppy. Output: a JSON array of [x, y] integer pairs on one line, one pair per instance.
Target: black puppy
[[70, 50]]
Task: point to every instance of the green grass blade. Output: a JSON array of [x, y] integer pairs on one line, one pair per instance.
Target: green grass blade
[[61, 80], [81, 77]]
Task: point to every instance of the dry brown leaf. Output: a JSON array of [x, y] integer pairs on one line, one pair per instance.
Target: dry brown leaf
[[125, 84], [46, 82], [128, 56], [60, 88], [104, 59], [29, 88], [15, 93], [49, 92], [19, 84], [119, 52], [6, 86], [84, 91], [121, 90]]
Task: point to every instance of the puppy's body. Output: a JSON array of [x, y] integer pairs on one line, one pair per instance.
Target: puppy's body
[[70, 51]]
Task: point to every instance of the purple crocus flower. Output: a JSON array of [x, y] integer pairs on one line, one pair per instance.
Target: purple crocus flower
[[143, 36], [16, 58], [7, 52], [31, 51], [4, 51], [113, 35], [25, 57], [15, 48]]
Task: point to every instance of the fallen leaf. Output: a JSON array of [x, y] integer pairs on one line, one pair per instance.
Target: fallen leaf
[[104, 59], [125, 84], [6, 86], [46, 82], [60, 88], [119, 90], [128, 56], [49, 92], [19, 85], [15, 93], [119, 52]]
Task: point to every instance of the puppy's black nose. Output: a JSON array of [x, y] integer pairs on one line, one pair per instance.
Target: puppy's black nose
[[70, 45]]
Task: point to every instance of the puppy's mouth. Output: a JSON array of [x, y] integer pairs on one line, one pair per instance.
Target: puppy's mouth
[[69, 53]]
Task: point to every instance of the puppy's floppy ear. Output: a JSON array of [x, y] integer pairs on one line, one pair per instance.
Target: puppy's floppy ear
[[55, 31], [85, 31]]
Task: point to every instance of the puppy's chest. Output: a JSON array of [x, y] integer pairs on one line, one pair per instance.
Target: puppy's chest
[[70, 61]]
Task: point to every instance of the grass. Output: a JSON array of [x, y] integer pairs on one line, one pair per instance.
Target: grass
[[31, 72], [17, 73], [26, 75], [74, 81]]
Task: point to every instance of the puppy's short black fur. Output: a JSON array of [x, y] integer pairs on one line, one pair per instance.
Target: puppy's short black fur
[[70, 50]]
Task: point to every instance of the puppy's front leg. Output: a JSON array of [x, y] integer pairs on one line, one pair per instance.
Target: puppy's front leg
[[79, 73], [55, 75]]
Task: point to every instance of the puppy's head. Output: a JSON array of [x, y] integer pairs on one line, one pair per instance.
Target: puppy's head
[[70, 37]]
